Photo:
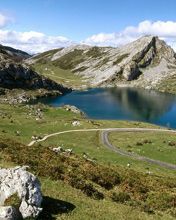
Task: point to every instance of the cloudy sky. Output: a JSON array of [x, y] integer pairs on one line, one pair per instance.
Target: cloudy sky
[[39, 25]]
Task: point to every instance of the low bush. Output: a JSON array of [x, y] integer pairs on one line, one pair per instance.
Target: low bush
[[120, 197]]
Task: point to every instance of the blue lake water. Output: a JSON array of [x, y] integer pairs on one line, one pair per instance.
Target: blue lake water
[[122, 104]]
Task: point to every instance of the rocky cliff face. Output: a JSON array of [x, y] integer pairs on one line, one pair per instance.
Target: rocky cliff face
[[15, 74], [145, 62], [19, 76]]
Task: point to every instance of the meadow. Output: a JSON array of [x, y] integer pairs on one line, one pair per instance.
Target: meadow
[[100, 185]]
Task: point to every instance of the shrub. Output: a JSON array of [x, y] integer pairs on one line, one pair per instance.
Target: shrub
[[139, 143], [103, 176], [87, 188], [161, 201], [120, 197], [3, 145], [172, 143]]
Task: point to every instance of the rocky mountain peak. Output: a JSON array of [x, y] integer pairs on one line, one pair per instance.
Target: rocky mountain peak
[[147, 52], [164, 51], [144, 62]]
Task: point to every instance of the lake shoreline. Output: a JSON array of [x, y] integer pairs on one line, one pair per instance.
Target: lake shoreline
[[121, 104]]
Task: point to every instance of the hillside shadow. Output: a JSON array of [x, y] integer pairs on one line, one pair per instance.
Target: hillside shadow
[[54, 207]]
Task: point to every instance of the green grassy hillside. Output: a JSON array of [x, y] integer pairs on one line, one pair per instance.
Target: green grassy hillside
[[168, 85], [65, 69], [59, 75], [98, 186]]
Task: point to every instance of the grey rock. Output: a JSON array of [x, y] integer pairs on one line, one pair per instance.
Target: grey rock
[[76, 123], [58, 149], [73, 109], [19, 181]]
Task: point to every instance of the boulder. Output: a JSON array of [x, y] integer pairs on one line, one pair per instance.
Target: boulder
[[27, 187], [73, 109], [58, 149], [76, 123]]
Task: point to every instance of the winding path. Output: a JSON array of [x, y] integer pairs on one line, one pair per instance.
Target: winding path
[[107, 144]]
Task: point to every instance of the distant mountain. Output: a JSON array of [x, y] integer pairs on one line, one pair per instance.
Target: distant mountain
[[15, 74], [16, 55], [147, 62]]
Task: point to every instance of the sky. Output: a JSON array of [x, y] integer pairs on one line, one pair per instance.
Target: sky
[[39, 25]]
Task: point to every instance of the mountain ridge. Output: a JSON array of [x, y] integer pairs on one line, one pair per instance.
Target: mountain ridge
[[143, 63], [15, 54], [15, 74]]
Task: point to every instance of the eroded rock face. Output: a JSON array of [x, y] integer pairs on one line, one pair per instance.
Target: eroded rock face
[[27, 187]]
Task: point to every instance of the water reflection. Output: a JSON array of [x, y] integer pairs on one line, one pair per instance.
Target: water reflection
[[146, 105]]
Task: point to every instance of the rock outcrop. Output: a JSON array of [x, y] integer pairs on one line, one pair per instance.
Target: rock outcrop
[[27, 187], [144, 63], [74, 109], [15, 74], [20, 76]]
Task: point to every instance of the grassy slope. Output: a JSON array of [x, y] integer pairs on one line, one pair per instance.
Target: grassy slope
[[158, 146], [60, 70], [168, 85], [64, 69], [23, 119], [88, 209], [149, 193], [65, 77]]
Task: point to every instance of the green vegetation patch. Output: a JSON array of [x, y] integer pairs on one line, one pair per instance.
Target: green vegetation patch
[[61, 76], [69, 61], [120, 58], [158, 145], [103, 62], [46, 55], [168, 85], [95, 52], [80, 173], [80, 69]]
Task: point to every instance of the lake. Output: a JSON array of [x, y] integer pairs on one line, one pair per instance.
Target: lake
[[122, 104]]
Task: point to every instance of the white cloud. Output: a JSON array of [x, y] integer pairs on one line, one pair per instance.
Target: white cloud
[[4, 20], [113, 39], [36, 42], [32, 42], [160, 28], [165, 30]]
